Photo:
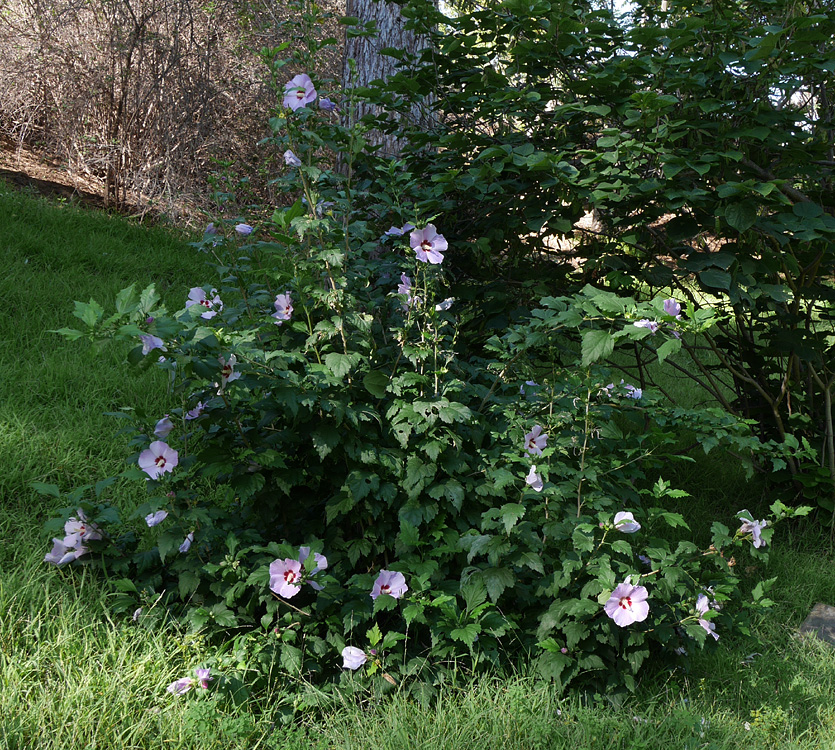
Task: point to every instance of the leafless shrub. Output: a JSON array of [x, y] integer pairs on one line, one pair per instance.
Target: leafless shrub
[[143, 96]]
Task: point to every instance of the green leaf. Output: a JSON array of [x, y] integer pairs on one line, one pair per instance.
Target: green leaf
[[89, 313], [510, 514], [148, 298], [496, 580], [126, 585], [325, 438], [716, 279], [71, 334], [596, 345], [807, 210], [532, 561], [198, 618], [418, 476], [361, 483], [636, 658], [223, 616], [291, 658], [376, 382], [670, 346], [50, 490], [383, 603], [574, 633], [374, 635], [741, 216], [127, 300], [340, 364], [466, 634], [551, 665], [188, 583], [167, 543]]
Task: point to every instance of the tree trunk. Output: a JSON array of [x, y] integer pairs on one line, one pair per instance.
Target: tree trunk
[[371, 65]]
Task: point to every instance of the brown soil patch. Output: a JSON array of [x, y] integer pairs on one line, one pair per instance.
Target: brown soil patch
[[25, 169]]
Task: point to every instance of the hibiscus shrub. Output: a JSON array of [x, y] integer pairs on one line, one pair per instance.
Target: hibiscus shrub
[[348, 476]]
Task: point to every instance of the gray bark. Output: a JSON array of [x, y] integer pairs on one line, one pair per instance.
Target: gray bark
[[372, 66]]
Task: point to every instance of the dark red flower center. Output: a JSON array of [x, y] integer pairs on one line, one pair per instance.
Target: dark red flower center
[[160, 461], [625, 602], [385, 588]]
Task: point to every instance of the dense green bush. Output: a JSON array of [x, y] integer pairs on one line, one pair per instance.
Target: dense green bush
[[701, 138], [452, 498]]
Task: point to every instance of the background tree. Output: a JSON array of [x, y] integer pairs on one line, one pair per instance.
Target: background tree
[[380, 41]]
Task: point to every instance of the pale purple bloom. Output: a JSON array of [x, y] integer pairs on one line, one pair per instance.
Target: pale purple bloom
[[187, 542], [291, 160], [137, 613], [671, 307], [400, 231], [353, 658], [211, 229], [327, 105], [445, 305], [158, 459], [644, 323], [154, 519], [632, 391], [534, 480], [211, 302], [299, 92], [405, 288], [535, 441], [204, 677], [196, 411], [163, 428], [61, 554], [627, 604], [149, 343], [429, 246], [227, 370], [405, 285], [391, 583], [645, 560], [320, 560], [702, 606], [284, 577], [283, 308], [626, 523], [321, 564], [243, 228], [178, 687], [754, 528], [79, 529]]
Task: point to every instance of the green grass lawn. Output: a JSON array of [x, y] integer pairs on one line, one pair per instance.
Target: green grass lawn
[[74, 675]]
